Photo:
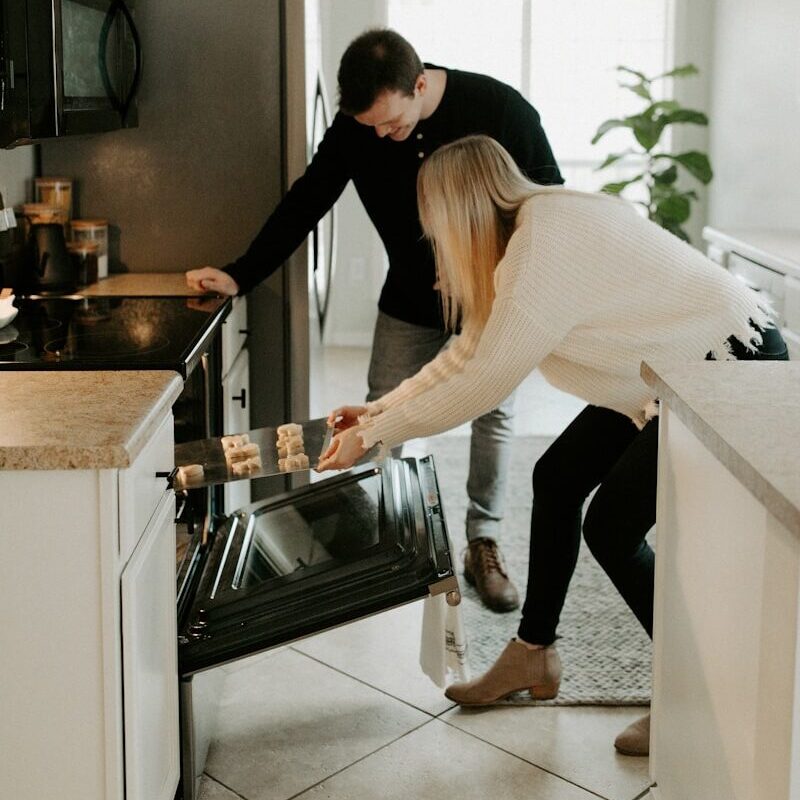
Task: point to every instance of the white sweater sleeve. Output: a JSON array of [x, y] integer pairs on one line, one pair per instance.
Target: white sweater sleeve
[[510, 346], [447, 362]]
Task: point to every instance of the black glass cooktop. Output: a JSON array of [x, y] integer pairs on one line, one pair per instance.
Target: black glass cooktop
[[109, 332]]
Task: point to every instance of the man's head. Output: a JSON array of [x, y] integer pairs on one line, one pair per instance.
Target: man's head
[[382, 82]]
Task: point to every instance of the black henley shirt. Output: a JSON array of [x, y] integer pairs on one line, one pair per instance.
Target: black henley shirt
[[384, 173]]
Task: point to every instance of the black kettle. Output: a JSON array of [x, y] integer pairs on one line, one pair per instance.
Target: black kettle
[[52, 271]]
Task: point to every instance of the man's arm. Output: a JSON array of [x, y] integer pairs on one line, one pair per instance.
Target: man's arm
[[308, 200], [521, 133]]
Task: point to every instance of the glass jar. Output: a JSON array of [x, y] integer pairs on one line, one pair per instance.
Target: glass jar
[[94, 230], [84, 259], [55, 192]]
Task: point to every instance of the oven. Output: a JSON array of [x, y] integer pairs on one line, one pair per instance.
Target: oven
[[304, 561]]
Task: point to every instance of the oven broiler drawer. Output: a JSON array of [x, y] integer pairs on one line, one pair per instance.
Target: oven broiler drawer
[[317, 557]]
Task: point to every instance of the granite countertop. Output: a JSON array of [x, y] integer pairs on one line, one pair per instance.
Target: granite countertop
[[748, 415], [81, 420], [776, 248], [149, 284]]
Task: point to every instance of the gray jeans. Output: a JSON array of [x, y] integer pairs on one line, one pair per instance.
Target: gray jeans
[[399, 350]]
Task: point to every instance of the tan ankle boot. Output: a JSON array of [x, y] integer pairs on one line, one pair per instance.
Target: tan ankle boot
[[519, 667], [635, 739]]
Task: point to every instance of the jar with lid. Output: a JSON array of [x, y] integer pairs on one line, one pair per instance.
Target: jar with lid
[[41, 214], [55, 192], [84, 259], [94, 230]]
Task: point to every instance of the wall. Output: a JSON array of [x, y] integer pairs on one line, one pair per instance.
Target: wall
[[693, 26], [755, 114], [16, 174]]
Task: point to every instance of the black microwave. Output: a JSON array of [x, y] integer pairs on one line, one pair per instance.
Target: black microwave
[[66, 67]]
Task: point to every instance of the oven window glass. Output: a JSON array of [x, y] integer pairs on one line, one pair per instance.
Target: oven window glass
[[81, 28], [333, 526]]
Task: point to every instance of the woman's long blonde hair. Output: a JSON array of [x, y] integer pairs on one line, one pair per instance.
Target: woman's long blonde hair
[[469, 193]]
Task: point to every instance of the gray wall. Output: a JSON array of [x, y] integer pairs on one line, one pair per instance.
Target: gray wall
[[195, 181], [755, 114]]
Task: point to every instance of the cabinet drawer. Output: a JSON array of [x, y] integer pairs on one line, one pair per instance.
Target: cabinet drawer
[[768, 283], [234, 334], [140, 490]]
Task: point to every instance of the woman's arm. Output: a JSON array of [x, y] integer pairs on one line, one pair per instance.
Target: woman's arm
[[512, 343]]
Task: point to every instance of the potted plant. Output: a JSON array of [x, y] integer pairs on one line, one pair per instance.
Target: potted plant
[[667, 204]]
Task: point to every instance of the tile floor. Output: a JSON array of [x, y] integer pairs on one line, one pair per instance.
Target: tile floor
[[348, 713]]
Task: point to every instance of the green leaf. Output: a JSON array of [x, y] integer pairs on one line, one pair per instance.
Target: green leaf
[[646, 130], [640, 75], [667, 176], [697, 163], [679, 72], [608, 125], [685, 115], [617, 187], [638, 88], [675, 209], [613, 158]]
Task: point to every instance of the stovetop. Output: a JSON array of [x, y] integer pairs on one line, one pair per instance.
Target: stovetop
[[77, 332]]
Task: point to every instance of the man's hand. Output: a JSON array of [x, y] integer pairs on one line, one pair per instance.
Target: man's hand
[[210, 279], [344, 450], [345, 417]]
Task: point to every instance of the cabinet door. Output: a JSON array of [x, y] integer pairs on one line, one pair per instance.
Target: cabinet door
[[234, 334], [236, 419], [149, 658]]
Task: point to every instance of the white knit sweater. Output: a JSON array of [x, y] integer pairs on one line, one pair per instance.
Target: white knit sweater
[[586, 291]]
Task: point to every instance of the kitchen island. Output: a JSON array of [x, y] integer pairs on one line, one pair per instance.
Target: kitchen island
[[88, 677], [726, 705]]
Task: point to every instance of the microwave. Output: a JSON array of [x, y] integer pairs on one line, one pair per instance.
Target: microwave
[[66, 67]]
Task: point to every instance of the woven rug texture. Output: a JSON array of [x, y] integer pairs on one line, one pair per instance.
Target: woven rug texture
[[606, 655]]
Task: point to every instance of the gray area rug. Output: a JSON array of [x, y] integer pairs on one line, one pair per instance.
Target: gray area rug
[[605, 653]]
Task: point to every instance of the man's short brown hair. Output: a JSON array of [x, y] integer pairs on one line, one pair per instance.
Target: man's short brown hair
[[377, 61]]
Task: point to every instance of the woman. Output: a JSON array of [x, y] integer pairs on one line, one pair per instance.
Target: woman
[[584, 288]]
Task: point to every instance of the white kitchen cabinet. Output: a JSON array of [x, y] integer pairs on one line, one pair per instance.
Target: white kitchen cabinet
[[88, 674], [235, 392], [726, 707], [150, 662]]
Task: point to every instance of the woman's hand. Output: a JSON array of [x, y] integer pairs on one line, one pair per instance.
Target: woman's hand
[[210, 279], [345, 417], [344, 450]]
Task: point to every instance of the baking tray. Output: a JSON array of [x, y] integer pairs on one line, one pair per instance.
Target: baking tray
[[317, 435]]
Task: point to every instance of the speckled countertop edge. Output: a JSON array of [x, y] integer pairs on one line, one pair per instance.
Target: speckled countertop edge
[[81, 420], [667, 381]]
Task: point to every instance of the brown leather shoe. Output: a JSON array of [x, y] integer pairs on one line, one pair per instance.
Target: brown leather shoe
[[635, 739], [519, 667], [483, 569]]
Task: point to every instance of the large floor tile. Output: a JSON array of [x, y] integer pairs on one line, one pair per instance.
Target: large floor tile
[[574, 742], [211, 790], [437, 761], [383, 651], [287, 722]]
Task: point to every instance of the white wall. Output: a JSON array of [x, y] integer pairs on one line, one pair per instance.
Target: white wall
[[693, 26], [16, 175], [755, 114]]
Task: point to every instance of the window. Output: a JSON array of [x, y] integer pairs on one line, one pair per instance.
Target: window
[[561, 54]]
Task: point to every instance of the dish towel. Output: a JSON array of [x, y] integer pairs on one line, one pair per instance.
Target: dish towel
[[443, 648]]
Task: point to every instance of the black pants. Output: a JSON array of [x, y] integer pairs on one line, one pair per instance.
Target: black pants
[[600, 449]]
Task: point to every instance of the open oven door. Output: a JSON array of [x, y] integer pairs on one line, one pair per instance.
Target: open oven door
[[317, 557]]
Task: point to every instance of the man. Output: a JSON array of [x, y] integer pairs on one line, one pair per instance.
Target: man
[[394, 111]]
